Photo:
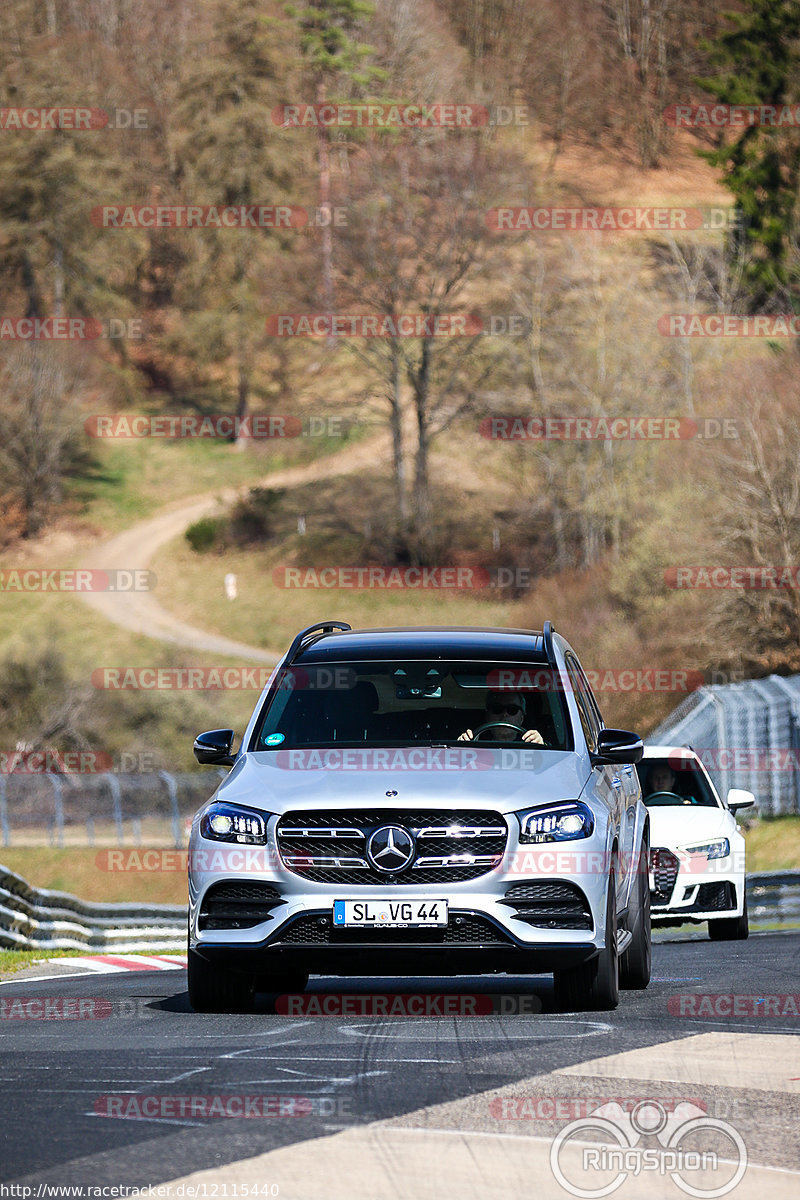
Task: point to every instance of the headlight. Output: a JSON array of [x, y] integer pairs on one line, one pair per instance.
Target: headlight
[[222, 822], [558, 823], [720, 848]]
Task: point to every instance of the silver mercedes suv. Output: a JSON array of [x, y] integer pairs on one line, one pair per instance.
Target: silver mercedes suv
[[431, 801]]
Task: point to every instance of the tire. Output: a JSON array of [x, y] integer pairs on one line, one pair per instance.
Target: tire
[[212, 989], [635, 963], [279, 980], [730, 929], [593, 986]]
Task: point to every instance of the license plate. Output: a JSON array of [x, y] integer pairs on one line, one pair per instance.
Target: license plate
[[390, 913]]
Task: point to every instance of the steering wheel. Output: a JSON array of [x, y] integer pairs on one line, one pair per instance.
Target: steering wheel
[[496, 725], [672, 796]]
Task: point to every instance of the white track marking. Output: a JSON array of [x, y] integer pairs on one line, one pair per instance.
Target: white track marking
[[763, 1061]]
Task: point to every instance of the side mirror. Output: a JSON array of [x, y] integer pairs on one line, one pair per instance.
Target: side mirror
[[215, 748], [618, 746], [739, 798]]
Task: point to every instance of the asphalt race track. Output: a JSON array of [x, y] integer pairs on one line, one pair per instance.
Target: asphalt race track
[[409, 1106]]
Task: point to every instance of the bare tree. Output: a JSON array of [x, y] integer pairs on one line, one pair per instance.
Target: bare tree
[[417, 245], [755, 493], [39, 429]]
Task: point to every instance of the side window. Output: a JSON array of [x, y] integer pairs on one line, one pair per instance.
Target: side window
[[590, 695], [586, 706]]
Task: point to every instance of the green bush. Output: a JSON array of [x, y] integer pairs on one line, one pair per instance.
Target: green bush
[[252, 518], [204, 534]]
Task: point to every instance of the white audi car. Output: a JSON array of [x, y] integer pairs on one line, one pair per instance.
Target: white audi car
[[697, 855]]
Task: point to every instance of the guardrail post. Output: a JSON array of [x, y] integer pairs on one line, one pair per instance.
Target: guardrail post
[[172, 788], [116, 802], [58, 807], [4, 812], [722, 742]]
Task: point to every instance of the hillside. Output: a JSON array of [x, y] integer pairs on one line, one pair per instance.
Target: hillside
[[585, 529]]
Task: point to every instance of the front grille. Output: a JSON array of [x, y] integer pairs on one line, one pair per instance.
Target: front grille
[[237, 905], [664, 865], [460, 931], [451, 845], [713, 897], [549, 905]]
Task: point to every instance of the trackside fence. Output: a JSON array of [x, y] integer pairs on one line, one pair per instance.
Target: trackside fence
[[112, 809], [748, 736]]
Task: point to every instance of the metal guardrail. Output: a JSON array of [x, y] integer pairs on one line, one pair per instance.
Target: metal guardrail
[[34, 919], [774, 896]]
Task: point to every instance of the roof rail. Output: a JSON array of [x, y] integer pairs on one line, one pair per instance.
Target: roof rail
[[320, 627], [547, 642]]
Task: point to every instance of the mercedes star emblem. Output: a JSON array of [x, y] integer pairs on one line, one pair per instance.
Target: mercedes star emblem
[[390, 849]]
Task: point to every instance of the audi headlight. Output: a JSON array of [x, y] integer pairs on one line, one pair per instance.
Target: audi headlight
[[720, 848], [222, 822], [557, 823]]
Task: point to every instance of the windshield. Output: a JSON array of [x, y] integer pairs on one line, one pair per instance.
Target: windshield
[[402, 703], [672, 782]]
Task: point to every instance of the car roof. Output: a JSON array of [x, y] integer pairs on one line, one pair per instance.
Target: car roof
[[427, 642]]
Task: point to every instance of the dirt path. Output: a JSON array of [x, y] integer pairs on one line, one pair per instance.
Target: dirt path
[[140, 612]]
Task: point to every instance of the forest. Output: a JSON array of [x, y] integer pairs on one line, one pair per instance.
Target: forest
[[540, 261]]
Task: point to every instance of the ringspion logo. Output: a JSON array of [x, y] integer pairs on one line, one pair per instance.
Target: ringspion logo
[[683, 1142]]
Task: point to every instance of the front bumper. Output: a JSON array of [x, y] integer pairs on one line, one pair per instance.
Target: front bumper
[[470, 944], [497, 923], [696, 900]]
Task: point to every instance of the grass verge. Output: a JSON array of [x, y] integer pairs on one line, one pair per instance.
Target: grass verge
[[83, 871], [774, 844], [12, 961]]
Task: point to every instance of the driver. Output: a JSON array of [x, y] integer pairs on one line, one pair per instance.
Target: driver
[[508, 707], [662, 779]]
